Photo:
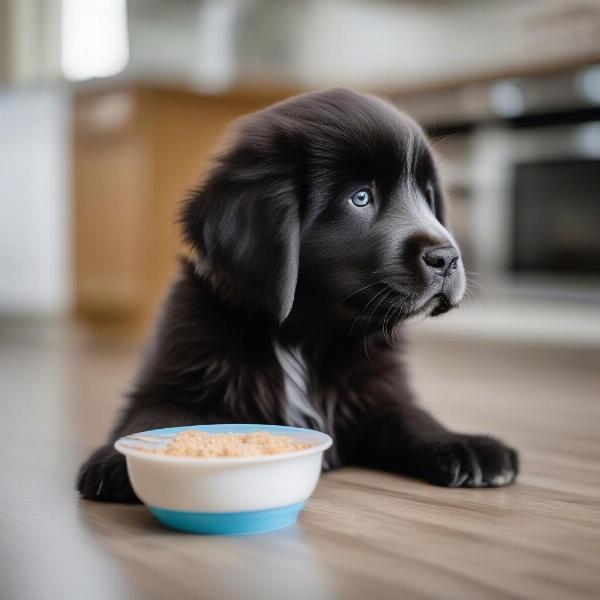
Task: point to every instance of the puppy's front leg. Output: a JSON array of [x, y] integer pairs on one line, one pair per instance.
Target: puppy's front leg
[[406, 439], [103, 476]]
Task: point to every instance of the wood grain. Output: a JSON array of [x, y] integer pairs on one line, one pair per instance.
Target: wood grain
[[363, 534], [137, 151]]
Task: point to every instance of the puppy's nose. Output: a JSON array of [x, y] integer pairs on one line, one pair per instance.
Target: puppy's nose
[[441, 260]]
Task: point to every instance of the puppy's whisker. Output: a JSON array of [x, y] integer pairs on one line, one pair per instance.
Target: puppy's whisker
[[383, 324], [471, 295], [468, 298], [387, 321], [473, 280], [363, 288], [375, 307], [374, 310], [357, 318], [405, 303], [480, 285]]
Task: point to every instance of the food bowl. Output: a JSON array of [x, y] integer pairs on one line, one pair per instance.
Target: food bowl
[[224, 495]]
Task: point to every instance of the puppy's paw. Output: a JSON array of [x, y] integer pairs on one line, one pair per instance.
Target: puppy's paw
[[103, 477], [469, 461]]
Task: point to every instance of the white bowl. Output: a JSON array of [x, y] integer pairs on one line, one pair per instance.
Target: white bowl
[[224, 495]]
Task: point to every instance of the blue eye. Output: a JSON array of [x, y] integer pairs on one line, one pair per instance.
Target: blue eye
[[361, 198]]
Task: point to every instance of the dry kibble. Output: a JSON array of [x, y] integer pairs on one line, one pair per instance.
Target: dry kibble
[[202, 445]]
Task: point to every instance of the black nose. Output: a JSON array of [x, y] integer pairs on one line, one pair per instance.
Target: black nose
[[441, 260]]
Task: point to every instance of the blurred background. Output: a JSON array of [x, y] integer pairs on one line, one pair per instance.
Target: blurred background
[[109, 111]]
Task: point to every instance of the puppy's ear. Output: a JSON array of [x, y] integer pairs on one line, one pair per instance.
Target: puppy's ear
[[245, 221]]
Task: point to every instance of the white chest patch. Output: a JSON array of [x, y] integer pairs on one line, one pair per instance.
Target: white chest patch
[[299, 411]]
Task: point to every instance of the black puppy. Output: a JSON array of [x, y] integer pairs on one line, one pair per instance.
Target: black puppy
[[318, 231]]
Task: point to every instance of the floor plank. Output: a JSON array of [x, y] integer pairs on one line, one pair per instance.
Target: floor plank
[[363, 535]]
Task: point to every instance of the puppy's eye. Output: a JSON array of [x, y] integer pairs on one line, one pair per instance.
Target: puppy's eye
[[361, 198]]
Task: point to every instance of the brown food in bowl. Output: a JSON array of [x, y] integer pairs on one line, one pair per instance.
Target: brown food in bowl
[[199, 444]]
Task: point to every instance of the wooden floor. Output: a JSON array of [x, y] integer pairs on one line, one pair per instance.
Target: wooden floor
[[364, 535]]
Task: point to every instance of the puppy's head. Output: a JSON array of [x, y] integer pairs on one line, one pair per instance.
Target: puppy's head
[[333, 197]]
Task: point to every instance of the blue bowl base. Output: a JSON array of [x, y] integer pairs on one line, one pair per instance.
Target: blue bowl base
[[231, 523]]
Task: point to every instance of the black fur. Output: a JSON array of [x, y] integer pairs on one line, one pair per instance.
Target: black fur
[[284, 262]]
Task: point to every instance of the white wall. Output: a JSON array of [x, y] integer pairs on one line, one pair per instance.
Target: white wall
[[34, 202], [383, 43], [32, 40], [363, 43]]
